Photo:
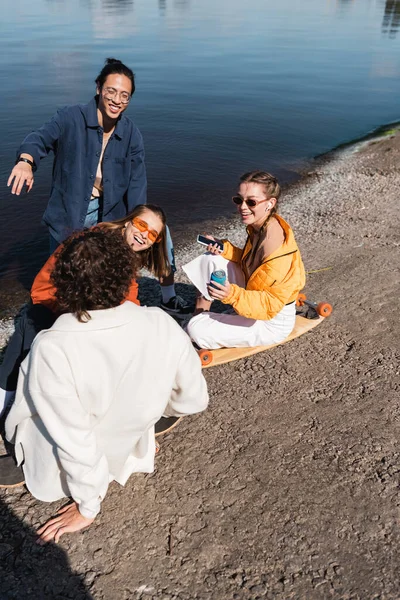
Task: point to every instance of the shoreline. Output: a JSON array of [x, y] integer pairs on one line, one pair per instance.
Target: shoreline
[[311, 176], [287, 486], [315, 182]]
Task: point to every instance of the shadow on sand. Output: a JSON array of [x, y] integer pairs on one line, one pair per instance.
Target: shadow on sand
[[31, 571]]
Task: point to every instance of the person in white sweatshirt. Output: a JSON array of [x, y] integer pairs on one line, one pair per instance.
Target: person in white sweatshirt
[[96, 382]]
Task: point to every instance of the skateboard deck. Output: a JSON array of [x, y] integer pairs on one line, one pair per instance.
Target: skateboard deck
[[226, 355], [165, 424]]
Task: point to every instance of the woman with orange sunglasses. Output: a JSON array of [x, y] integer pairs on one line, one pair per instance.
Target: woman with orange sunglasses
[[144, 230]]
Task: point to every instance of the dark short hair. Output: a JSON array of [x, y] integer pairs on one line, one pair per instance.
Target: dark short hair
[[94, 270], [112, 66]]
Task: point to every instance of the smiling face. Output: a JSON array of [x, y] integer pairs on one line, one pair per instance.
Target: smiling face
[[254, 215], [139, 240], [109, 108]]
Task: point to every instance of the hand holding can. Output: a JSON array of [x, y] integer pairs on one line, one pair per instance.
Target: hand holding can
[[218, 276], [219, 287]]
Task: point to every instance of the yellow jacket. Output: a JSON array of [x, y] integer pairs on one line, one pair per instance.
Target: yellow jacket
[[276, 282]]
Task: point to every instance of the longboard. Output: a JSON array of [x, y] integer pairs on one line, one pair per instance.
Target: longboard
[[165, 424], [212, 358]]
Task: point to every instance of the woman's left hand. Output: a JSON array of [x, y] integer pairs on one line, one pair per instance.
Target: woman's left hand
[[219, 291], [68, 521]]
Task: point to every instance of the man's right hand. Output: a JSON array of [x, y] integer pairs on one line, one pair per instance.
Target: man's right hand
[[21, 174], [68, 521]]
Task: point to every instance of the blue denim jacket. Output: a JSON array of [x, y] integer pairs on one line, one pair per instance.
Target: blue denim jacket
[[75, 137]]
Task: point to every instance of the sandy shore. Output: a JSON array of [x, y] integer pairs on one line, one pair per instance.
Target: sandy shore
[[288, 486]]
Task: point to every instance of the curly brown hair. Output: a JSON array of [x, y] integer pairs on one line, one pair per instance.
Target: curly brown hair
[[94, 270]]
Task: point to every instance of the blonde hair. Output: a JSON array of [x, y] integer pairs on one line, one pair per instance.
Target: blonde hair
[[271, 187], [155, 258]]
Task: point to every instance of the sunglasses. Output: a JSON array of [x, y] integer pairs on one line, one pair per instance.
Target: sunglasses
[[238, 200], [153, 235]]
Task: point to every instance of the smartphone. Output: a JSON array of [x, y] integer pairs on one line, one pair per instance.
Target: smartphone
[[202, 239]]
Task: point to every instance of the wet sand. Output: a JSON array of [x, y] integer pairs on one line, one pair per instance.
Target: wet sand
[[288, 486]]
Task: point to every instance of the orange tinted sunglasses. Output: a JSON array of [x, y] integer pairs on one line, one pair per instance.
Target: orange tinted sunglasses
[[153, 235]]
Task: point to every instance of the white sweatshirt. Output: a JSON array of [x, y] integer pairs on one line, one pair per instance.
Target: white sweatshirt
[[89, 395]]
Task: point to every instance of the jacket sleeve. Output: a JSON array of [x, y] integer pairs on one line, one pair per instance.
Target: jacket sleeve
[[232, 252], [51, 388], [133, 293], [137, 191], [273, 293], [255, 304], [43, 290], [42, 141], [189, 394]]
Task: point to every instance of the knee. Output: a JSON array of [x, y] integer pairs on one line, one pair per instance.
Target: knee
[[193, 329], [199, 332]]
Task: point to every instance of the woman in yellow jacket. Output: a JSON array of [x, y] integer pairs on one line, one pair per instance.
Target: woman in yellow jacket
[[263, 278]]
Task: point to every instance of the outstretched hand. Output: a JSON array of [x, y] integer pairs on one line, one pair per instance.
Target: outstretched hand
[[21, 174], [219, 291], [68, 521]]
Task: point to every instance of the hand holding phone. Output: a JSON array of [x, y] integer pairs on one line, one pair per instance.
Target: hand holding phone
[[211, 243]]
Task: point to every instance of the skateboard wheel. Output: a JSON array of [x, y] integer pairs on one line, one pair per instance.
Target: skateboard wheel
[[205, 357], [324, 309], [301, 299]]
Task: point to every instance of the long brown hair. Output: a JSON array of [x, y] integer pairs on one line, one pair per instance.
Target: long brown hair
[[155, 258]]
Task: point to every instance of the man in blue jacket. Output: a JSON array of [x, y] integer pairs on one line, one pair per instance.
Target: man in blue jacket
[[98, 172]]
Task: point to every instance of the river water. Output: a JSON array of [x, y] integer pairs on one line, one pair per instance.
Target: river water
[[223, 86]]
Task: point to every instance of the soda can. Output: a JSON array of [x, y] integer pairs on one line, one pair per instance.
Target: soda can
[[218, 276]]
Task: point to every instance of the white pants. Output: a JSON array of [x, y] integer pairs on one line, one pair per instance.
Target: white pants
[[214, 330]]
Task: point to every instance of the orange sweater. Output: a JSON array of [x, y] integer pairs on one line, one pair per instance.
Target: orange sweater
[[43, 290]]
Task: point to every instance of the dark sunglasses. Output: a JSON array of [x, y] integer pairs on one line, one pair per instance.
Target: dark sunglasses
[[250, 203]]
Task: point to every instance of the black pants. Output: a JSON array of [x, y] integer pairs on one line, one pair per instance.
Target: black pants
[[31, 319]]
